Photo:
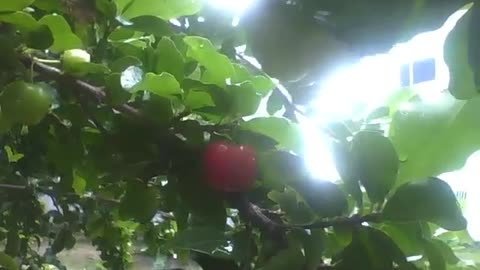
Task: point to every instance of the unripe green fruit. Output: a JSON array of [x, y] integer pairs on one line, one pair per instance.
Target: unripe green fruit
[[73, 59], [24, 103]]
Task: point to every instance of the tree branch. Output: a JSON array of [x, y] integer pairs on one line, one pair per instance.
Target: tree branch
[[342, 221], [95, 92], [248, 211], [164, 215]]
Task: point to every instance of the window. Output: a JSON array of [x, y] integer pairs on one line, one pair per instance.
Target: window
[[417, 72], [405, 75], [424, 70]]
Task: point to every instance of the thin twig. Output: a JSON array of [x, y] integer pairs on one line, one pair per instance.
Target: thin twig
[[95, 92], [8, 186]]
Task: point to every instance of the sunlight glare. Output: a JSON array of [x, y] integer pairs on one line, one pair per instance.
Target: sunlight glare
[[236, 6], [356, 90]]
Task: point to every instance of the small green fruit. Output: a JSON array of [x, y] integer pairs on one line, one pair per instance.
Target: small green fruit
[[24, 103], [72, 61]]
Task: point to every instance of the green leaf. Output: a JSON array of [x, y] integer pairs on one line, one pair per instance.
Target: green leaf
[[79, 184], [313, 242], [165, 9], [163, 85], [196, 194], [64, 38], [198, 99], [458, 53], [324, 197], [286, 133], [436, 137], [200, 239], [122, 63], [286, 259], [15, 5], [115, 94], [375, 162], [262, 84], [63, 240], [8, 262], [158, 109], [169, 59], [295, 209], [344, 163], [428, 200], [435, 256], [408, 236], [40, 38], [11, 155], [245, 100], [22, 20], [279, 168], [140, 202], [218, 65], [151, 25], [275, 102], [363, 252], [445, 250], [47, 5]]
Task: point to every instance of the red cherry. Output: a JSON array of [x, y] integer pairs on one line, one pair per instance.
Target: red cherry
[[228, 167]]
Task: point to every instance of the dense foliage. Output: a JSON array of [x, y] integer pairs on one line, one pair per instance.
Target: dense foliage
[[108, 106]]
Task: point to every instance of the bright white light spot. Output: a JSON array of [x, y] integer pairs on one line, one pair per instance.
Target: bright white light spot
[[406, 107], [236, 6], [355, 90], [464, 182], [317, 155], [175, 22], [201, 19]]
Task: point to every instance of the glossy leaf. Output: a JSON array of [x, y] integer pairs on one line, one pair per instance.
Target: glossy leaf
[[64, 38], [169, 59], [421, 134], [375, 163], [151, 25], [139, 203], [314, 245], [164, 85], [167, 9], [344, 164], [279, 168], [22, 20], [434, 255], [408, 236], [295, 209], [218, 65], [286, 133], [245, 100], [79, 184], [324, 197], [428, 200], [458, 53], [362, 253], [14, 5]]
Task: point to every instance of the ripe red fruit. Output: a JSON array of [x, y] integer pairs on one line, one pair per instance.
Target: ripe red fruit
[[228, 167]]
